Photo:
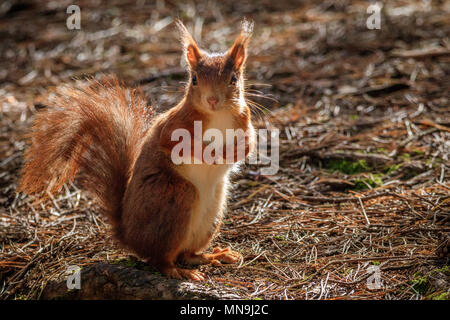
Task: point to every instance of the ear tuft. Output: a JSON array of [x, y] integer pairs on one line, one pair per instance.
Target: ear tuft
[[192, 52], [247, 28], [238, 51]]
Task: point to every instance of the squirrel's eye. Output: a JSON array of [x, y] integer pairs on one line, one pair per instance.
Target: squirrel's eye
[[194, 80], [233, 79]]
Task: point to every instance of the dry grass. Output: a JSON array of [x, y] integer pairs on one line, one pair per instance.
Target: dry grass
[[364, 143]]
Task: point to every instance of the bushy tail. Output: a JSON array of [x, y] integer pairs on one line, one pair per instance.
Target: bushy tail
[[96, 129]]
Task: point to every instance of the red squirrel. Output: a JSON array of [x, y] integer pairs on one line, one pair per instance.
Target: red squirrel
[[163, 212]]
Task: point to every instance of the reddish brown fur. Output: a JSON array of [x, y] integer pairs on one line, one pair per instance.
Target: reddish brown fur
[[105, 132], [99, 129]]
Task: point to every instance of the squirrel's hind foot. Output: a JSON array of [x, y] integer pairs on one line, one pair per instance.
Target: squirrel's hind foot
[[225, 255], [189, 274], [216, 258]]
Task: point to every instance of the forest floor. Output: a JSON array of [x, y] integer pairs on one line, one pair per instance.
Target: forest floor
[[363, 186]]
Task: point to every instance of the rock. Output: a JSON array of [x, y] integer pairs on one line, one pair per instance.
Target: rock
[[110, 281]]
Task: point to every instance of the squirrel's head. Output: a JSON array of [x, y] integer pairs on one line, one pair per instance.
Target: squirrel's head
[[216, 80]]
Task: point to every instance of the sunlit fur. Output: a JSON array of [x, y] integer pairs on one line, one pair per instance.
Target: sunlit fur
[[162, 212], [214, 73]]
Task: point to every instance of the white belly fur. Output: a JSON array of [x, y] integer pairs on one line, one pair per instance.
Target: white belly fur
[[211, 182]]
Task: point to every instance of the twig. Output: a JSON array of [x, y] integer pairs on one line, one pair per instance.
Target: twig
[[343, 199], [364, 211], [421, 53]]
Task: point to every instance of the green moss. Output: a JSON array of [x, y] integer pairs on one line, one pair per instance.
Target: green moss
[[253, 183], [393, 168], [381, 150], [420, 283], [441, 296], [444, 269], [374, 180], [405, 157], [137, 264], [128, 262], [347, 167], [407, 173]]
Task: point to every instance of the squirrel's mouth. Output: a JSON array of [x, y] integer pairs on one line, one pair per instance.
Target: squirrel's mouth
[[212, 106]]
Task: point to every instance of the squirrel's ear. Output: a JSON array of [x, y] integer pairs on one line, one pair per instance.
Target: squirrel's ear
[[191, 50], [238, 52]]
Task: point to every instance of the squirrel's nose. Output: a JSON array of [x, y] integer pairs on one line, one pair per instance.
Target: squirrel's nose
[[212, 101]]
